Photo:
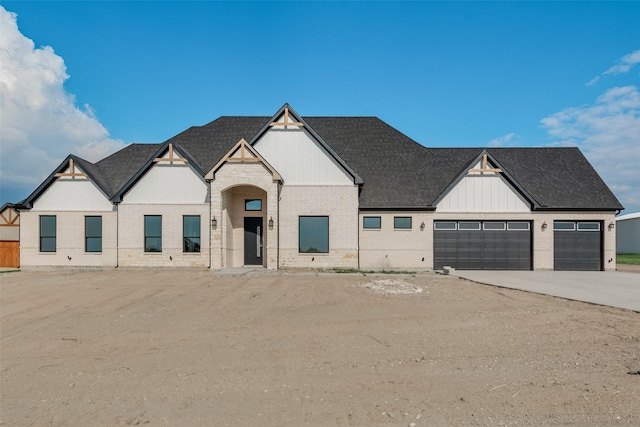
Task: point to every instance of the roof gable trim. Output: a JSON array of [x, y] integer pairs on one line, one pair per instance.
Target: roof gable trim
[[286, 112], [247, 154]]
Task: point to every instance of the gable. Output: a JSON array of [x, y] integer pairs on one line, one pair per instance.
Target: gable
[[72, 190], [298, 156], [169, 181], [483, 189]]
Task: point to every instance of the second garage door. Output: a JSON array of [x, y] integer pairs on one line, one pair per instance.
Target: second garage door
[[577, 245], [482, 245]]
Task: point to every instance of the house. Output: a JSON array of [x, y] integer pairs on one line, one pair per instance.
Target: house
[[9, 236], [628, 234], [320, 192]]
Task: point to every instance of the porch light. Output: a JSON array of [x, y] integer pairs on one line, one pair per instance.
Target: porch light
[[271, 223], [214, 223], [422, 226], [544, 225], [611, 226]]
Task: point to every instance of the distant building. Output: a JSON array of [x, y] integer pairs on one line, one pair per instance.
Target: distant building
[[320, 192], [628, 234]]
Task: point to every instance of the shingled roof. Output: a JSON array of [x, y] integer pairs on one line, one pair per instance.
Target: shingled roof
[[398, 172]]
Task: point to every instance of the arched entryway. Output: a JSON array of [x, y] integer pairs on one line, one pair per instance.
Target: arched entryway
[[244, 226]]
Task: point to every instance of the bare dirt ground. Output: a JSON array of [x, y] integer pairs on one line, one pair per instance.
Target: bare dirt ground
[[629, 268], [187, 348]]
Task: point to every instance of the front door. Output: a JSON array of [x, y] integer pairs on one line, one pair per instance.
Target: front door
[[253, 241]]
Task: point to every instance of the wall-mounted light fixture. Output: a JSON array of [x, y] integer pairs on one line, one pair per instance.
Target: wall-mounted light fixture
[[611, 226], [422, 226], [544, 225], [214, 223], [271, 223]]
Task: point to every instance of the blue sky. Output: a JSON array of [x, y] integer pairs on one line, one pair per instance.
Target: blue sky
[[99, 75]]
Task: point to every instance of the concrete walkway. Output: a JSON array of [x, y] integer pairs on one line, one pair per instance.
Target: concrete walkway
[[615, 289]]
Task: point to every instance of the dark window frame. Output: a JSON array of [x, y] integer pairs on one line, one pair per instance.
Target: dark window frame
[[368, 227], [148, 236], [397, 227], [318, 250], [54, 236], [88, 238], [246, 203], [189, 244]]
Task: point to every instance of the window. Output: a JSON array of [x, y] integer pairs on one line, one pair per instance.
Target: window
[[47, 233], [444, 225], [494, 226], [517, 226], [588, 226], [253, 205], [371, 222], [402, 222], [313, 234], [93, 234], [468, 226], [153, 233], [564, 226], [191, 233]]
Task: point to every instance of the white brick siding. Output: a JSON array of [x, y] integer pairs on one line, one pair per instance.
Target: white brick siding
[[70, 240], [131, 236]]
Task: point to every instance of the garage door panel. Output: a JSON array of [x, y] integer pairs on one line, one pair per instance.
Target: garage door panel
[[492, 246], [578, 247]]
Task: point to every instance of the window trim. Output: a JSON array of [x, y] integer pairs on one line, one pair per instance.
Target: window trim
[[152, 237], [469, 223], [587, 229], [54, 236], [503, 223], [573, 226], [246, 201], [365, 227], [87, 237], [184, 236], [395, 225], [300, 234], [437, 223], [527, 223]]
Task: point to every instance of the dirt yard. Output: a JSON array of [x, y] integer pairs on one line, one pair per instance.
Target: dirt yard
[[187, 348]]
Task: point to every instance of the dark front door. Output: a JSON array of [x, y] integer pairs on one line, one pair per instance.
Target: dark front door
[[253, 241]]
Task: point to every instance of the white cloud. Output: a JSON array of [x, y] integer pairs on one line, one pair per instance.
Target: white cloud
[[40, 122], [608, 132], [624, 65], [507, 140]]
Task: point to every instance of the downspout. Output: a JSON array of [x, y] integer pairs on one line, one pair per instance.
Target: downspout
[[117, 235], [209, 224]]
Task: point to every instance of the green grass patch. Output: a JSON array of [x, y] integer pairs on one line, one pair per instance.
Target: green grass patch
[[8, 271], [628, 259]]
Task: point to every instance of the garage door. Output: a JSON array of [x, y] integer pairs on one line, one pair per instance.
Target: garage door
[[577, 245], [482, 245]]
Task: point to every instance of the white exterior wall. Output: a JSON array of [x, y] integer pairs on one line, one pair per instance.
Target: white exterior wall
[[483, 193], [340, 204], [73, 194], [390, 249], [628, 236], [300, 159], [170, 184], [70, 241], [131, 236], [226, 238]]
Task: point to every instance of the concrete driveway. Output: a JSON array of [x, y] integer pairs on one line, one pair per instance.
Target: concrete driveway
[[615, 289]]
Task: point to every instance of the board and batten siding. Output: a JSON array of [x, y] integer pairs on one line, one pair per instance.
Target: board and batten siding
[[170, 185], [483, 193], [73, 194], [300, 159]]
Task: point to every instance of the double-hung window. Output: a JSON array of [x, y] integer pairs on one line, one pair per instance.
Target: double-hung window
[[48, 233], [313, 234], [93, 234], [191, 233], [153, 233]]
